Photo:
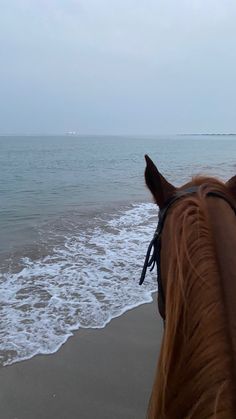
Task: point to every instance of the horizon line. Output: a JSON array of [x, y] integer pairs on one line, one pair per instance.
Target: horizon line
[[68, 134]]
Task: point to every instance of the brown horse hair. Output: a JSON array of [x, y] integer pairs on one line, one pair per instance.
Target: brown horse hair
[[194, 378]]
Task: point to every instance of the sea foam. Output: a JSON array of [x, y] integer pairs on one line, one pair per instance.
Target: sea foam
[[84, 283]]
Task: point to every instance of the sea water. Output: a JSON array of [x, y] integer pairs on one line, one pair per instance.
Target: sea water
[[75, 222]]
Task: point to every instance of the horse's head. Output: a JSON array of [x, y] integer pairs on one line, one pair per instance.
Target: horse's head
[[162, 190], [166, 196], [194, 250]]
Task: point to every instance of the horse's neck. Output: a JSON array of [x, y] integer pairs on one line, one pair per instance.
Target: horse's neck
[[195, 375], [223, 222]]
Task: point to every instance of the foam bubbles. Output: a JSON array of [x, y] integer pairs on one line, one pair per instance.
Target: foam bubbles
[[85, 283]]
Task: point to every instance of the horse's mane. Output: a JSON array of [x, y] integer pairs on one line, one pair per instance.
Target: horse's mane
[[194, 376]]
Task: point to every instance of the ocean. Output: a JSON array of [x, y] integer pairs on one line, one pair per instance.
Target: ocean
[[75, 222]]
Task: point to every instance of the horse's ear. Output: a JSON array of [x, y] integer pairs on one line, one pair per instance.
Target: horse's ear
[[158, 185], [231, 185]]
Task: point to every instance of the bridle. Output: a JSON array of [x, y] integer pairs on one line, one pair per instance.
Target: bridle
[[153, 256]]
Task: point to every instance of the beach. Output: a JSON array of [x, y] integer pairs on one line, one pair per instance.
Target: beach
[[102, 373], [88, 90], [79, 338]]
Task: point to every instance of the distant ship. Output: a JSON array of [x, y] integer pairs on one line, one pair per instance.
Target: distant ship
[[72, 133]]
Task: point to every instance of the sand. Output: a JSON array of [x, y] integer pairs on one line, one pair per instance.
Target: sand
[[103, 373]]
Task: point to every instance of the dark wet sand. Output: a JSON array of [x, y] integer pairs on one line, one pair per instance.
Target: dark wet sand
[[103, 374]]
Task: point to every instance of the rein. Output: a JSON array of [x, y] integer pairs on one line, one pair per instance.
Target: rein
[[153, 256]]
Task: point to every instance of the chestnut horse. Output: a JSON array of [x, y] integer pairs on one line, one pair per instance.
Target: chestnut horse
[[195, 251]]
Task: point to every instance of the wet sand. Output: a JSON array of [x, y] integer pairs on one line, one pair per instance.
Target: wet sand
[[103, 374]]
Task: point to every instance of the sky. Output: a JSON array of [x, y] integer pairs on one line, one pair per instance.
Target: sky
[[117, 66]]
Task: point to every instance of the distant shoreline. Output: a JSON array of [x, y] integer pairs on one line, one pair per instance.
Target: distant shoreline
[[77, 135], [209, 134]]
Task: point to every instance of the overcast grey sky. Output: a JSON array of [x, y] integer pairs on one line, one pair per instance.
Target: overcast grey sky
[[117, 66]]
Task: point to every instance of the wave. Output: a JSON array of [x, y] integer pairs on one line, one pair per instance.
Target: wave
[[84, 283]]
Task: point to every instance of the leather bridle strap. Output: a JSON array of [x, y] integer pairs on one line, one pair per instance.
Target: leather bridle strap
[[150, 261], [154, 249]]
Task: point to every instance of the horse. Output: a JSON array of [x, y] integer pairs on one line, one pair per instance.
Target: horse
[[194, 248]]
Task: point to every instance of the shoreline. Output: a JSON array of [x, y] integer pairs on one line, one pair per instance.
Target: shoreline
[[83, 280], [104, 372]]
